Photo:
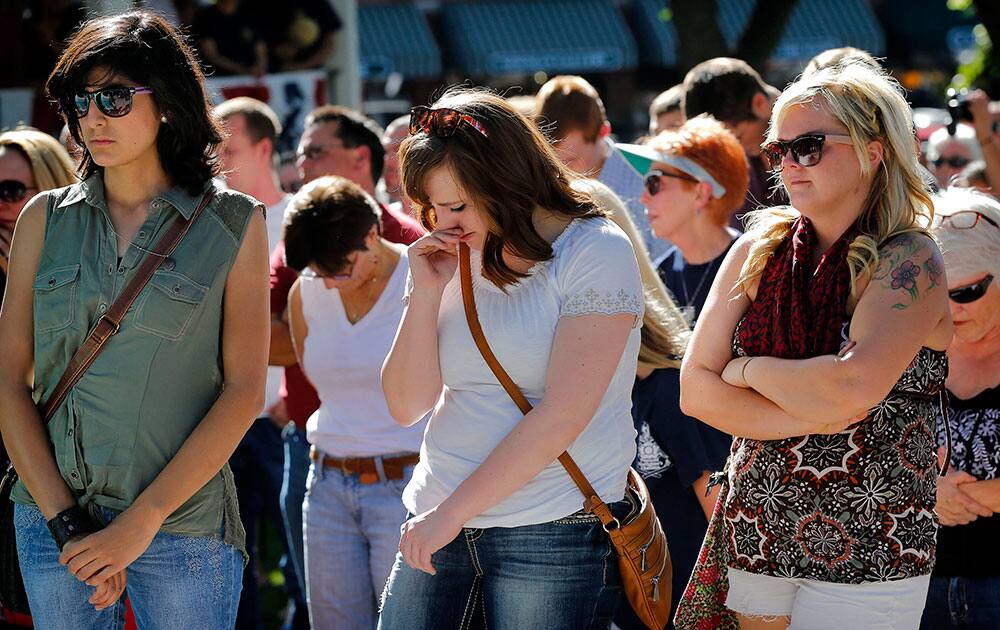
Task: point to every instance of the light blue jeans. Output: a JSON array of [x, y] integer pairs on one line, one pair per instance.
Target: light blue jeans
[[351, 538], [178, 582]]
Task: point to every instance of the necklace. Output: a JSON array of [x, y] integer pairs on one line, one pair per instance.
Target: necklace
[[688, 310], [367, 302], [111, 226]]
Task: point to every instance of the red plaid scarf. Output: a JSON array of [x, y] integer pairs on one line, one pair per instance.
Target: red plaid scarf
[[799, 312]]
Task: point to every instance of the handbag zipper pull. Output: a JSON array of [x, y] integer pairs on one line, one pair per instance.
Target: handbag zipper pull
[[642, 557], [656, 588]]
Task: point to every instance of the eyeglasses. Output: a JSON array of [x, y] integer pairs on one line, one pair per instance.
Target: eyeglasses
[[972, 292], [954, 162], [114, 101], [653, 180], [13, 191], [316, 151], [442, 121], [309, 272], [807, 149], [964, 220]]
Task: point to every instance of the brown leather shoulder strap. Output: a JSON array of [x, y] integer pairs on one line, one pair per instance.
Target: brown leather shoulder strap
[[109, 323], [592, 499]]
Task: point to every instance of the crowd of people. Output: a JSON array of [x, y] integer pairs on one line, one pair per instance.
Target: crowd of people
[[777, 307]]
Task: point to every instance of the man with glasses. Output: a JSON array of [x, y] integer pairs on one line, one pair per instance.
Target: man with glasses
[[948, 154]]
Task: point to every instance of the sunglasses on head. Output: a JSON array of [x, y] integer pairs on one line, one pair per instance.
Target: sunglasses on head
[[114, 101], [653, 180], [964, 220], [13, 191], [954, 162], [972, 292], [807, 149], [443, 122]]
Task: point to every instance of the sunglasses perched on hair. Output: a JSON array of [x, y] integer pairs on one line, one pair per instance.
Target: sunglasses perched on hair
[[443, 122], [114, 101], [972, 292], [653, 180], [964, 220], [13, 191], [807, 149], [954, 162]]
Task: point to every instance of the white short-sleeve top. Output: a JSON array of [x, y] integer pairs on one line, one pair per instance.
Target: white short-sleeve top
[[593, 270]]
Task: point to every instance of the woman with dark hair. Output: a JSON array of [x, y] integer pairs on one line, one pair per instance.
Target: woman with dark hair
[[344, 310], [130, 475], [496, 529]]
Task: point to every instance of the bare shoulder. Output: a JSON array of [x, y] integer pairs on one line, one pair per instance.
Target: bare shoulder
[[911, 267]]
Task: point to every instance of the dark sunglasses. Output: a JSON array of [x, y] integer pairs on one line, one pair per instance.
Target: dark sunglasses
[[442, 121], [114, 101], [13, 191], [807, 149], [971, 293], [954, 162], [653, 180]]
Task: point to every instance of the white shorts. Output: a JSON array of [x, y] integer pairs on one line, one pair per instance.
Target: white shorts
[[815, 605]]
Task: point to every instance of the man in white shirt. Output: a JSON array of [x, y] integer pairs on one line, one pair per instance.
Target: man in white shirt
[[248, 159]]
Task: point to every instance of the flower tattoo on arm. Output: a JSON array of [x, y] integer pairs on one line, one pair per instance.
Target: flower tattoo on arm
[[898, 269]]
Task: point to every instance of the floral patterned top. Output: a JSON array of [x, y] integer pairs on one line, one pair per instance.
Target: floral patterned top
[[853, 507]]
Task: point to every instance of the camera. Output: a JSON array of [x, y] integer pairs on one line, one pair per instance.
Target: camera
[[958, 108]]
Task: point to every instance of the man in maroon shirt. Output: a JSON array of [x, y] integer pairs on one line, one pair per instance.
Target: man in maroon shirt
[[336, 141]]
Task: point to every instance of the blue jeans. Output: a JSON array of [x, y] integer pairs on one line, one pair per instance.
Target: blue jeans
[[351, 539], [962, 603], [178, 582], [293, 493], [257, 466], [560, 575]]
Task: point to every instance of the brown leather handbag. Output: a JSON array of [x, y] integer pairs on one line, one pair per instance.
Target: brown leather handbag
[[12, 595], [639, 541]]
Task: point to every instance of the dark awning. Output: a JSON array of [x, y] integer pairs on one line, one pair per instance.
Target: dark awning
[[496, 38], [396, 38], [814, 26]]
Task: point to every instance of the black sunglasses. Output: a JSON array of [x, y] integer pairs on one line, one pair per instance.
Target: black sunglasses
[[443, 122], [13, 191], [653, 180], [807, 149], [114, 101], [954, 162], [972, 292]]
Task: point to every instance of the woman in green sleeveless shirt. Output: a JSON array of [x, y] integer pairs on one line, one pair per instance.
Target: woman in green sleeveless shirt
[[136, 455]]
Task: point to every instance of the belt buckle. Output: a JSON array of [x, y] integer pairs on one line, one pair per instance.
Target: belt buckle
[[368, 478]]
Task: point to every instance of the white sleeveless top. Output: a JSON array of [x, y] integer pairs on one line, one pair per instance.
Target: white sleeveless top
[[344, 363], [592, 270]]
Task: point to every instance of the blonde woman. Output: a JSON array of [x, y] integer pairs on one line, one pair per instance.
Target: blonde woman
[[821, 348], [30, 162]]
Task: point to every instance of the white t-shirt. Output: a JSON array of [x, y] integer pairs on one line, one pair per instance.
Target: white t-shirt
[[593, 270], [344, 362], [275, 218]]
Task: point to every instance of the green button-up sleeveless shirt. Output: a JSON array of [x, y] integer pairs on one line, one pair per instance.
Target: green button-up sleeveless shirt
[[158, 376]]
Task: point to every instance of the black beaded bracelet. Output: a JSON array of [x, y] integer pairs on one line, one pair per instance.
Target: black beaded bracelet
[[70, 523]]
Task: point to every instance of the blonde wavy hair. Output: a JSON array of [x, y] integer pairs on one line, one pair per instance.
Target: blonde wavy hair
[[51, 165], [870, 104], [665, 333]]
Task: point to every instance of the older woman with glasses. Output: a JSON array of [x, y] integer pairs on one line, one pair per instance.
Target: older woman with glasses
[[696, 177], [965, 584]]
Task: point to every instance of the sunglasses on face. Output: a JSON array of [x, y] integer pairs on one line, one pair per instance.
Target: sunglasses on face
[[966, 219], [443, 122], [807, 149], [114, 101], [344, 274], [654, 179], [13, 191], [954, 162], [972, 292]]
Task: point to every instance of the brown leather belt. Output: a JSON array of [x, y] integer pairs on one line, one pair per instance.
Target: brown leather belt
[[366, 468]]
